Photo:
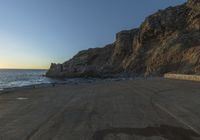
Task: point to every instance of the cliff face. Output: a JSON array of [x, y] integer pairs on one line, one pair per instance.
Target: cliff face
[[167, 41]]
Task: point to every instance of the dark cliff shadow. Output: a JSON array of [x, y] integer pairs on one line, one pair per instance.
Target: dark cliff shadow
[[165, 131]]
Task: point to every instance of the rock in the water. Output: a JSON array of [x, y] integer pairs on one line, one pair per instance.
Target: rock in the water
[[167, 41]]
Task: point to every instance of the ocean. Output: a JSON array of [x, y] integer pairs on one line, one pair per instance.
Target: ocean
[[14, 78], [10, 78]]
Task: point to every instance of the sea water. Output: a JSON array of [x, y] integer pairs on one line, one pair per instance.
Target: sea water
[[10, 78]]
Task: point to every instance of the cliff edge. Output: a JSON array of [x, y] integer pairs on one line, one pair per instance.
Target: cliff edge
[[167, 41]]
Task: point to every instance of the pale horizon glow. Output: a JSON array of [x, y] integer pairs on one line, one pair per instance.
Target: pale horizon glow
[[13, 58], [35, 33]]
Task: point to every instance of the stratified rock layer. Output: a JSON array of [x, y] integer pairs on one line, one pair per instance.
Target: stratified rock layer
[[167, 41]]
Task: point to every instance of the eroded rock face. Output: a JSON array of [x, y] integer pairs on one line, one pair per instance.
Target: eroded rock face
[[194, 14], [55, 70], [167, 41], [123, 45], [194, 4], [87, 63]]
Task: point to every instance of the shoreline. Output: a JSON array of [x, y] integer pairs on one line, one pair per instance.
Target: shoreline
[[130, 109], [12, 89], [72, 81]]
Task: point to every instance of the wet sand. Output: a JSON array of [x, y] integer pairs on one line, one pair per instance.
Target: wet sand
[[155, 109]]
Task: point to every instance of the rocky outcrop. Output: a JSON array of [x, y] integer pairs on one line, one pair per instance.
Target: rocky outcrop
[[167, 41], [88, 63]]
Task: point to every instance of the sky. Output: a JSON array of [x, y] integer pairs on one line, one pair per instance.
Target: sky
[[34, 33]]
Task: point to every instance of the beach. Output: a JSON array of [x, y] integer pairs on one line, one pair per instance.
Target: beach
[[142, 109]]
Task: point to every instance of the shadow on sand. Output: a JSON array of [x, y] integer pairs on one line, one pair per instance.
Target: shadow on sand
[[165, 131]]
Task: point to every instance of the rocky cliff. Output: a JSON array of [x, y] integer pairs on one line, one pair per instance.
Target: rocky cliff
[[167, 41]]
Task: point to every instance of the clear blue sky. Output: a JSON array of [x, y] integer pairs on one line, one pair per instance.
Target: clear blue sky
[[34, 33]]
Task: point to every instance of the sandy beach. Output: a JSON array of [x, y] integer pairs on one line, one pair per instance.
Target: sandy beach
[[154, 109]]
